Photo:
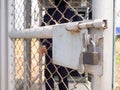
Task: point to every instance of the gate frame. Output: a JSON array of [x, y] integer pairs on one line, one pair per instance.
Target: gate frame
[[98, 12]]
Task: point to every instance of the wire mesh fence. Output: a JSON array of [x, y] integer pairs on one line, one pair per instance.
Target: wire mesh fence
[[32, 59]]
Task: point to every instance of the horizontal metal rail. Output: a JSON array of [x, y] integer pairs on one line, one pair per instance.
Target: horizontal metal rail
[[41, 32], [46, 31]]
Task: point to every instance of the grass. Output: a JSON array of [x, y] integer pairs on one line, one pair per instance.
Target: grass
[[117, 51], [118, 59]]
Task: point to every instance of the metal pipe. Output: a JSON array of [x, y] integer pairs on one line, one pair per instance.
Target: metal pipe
[[4, 45], [94, 24], [27, 45], [77, 26], [103, 9], [42, 32], [46, 31], [40, 56], [11, 46]]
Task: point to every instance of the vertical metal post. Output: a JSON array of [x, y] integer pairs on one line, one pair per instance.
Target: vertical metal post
[[11, 45], [4, 44], [27, 64], [27, 46], [0, 43], [40, 56], [104, 9], [11, 65], [40, 71]]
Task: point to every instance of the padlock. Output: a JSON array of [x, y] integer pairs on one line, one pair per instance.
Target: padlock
[[91, 58]]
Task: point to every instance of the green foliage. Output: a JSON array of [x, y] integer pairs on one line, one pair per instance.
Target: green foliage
[[118, 59], [117, 50]]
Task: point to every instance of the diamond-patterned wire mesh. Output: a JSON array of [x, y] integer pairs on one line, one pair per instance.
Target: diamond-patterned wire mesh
[[32, 69]]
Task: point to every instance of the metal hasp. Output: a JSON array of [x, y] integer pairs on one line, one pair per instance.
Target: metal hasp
[[67, 46], [68, 43], [89, 57]]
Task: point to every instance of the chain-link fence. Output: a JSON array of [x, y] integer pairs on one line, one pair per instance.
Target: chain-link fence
[[33, 66]]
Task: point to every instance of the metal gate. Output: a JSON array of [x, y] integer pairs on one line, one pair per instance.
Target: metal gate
[[18, 67], [30, 70]]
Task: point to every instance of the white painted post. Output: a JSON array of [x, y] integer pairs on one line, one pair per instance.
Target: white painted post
[[4, 44], [104, 9], [0, 43]]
